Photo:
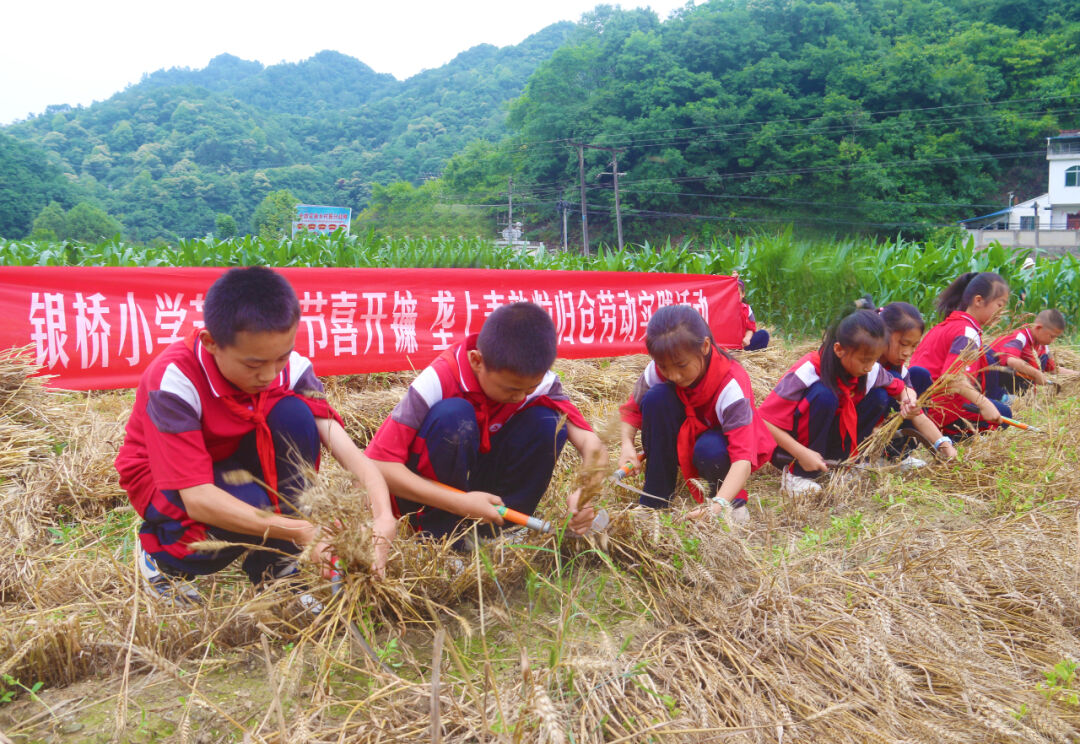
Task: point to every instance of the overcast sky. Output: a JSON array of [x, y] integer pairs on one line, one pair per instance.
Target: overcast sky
[[77, 52]]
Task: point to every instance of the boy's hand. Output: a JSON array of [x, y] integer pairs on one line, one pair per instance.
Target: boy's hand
[[628, 454], [383, 530], [580, 520], [948, 450], [322, 556], [480, 505], [1040, 378]]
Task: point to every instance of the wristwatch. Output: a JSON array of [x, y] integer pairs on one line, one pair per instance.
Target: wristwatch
[[734, 503]]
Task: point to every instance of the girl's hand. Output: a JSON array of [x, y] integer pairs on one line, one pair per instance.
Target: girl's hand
[[908, 407], [948, 450], [811, 461], [701, 511], [1040, 378], [628, 454]]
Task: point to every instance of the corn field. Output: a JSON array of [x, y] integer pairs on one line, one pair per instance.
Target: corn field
[[824, 275]]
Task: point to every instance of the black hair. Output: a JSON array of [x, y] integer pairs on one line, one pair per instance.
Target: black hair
[[965, 288], [901, 317], [1052, 318], [255, 299], [675, 328], [853, 331], [518, 338]]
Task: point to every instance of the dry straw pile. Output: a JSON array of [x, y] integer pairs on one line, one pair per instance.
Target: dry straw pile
[[934, 607]]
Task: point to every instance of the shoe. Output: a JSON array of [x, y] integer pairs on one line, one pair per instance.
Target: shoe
[[911, 463], [172, 590], [796, 485]]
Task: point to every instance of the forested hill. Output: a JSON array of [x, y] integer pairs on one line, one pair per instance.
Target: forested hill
[[836, 115], [876, 115], [328, 81], [167, 154]]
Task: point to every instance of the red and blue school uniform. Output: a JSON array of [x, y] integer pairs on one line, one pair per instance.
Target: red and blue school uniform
[[190, 426], [760, 338], [1021, 344], [447, 429], [699, 430], [1018, 344], [830, 423], [937, 354]]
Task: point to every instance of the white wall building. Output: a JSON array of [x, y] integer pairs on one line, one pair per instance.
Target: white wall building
[[1051, 220]]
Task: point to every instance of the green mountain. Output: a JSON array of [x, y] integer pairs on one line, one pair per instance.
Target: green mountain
[[169, 153], [834, 115]]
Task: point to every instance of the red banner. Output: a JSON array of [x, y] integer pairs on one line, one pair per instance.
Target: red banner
[[97, 328]]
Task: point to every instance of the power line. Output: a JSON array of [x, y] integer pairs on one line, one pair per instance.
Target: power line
[[859, 165], [510, 143]]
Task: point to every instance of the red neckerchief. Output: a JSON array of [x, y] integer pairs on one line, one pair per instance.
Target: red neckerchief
[[471, 390], [847, 418], [264, 438], [236, 401], [697, 400]]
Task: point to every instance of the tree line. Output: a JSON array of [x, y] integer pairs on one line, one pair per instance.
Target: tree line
[[874, 116]]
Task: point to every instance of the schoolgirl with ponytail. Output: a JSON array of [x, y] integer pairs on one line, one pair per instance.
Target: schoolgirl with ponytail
[[831, 400], [695, 409], [967, 305]]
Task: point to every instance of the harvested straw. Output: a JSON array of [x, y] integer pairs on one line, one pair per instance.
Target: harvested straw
[[901, 610]]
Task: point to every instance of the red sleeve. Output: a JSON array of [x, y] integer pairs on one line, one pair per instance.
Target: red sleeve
[[177, 460], [391, 442], [562, 405], [320, 408], [778, 411], [751, 442], [747, 322], [630, 413]]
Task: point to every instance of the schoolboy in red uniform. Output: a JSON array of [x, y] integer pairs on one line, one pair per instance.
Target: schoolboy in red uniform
[[234, 397], [486, 418], [1024, 351]]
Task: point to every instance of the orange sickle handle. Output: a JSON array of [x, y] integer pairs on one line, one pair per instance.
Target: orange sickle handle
[[533, 523], [1019, 424], [626, 468]]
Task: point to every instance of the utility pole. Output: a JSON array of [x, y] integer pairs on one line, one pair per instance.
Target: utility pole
[[581, 172], [510, 203], [563, 206], [584, 206], [618, 213]]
